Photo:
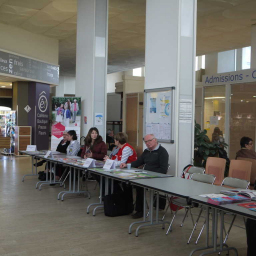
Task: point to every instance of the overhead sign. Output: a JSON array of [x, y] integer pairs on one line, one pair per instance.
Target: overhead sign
[[237, 77], [19, 66]]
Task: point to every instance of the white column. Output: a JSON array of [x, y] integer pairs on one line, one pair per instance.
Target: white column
[[253, 46], [91, 61], [170, 61]]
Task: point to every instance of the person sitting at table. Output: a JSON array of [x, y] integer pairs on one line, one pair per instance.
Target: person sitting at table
[[74, 146], [154, 158], [94, 146], [246, 150], [62, 147], [110, 139], [126, 153]]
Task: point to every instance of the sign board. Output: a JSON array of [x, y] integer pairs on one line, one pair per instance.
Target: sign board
[[237, 77], [30, 69]]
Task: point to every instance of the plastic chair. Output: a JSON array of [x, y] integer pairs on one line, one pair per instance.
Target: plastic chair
[[240, 169], [182, 203], [195, 169], [253, 170], [216, 166]]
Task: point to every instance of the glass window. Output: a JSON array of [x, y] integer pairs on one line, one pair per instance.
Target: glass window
[[203, 61], [243, 115], [246, 57], [214, 111], [136, 72]]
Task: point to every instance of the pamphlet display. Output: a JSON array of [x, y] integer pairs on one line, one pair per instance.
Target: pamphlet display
[[158, 112], [66, 116]]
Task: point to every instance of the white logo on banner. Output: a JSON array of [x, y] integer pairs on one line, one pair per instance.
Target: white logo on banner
[[27, 108], [42, 102]]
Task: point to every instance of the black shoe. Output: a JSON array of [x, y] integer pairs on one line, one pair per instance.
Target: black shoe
[[39, 163], [137, 215]]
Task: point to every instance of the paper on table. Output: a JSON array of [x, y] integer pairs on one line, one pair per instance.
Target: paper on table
[[213, 195]]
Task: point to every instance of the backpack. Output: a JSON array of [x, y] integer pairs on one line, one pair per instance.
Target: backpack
[[118, 204]]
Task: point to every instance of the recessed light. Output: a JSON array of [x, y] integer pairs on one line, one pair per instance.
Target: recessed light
[[247, 101], [242, 100], [10, 84], [2, 86], [254, 96]]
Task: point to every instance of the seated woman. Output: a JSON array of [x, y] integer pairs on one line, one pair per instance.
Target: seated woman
[[246, 150], [94, 146], [74, 146], [126, 153]]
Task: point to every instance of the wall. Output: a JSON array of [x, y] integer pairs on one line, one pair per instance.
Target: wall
[[211, 63], [25, 43], [112, 79], [131, 84], [113, 107], [226, 61]]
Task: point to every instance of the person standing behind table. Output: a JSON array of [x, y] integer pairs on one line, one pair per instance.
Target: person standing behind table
[[126, 153], [74, 110], [154, 158], [74, 146], [94, 146], [246, 150], [67, 116]]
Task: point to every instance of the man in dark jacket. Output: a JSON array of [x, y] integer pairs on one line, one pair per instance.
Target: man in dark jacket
[[154, 158]]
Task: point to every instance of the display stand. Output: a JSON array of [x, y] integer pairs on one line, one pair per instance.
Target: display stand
[[159, 113]]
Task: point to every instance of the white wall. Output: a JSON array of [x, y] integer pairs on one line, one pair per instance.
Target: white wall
[[211, 63], [112, 79], [226, 61], [25, 43], [67, 85]]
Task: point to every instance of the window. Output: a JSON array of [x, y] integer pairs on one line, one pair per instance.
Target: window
[[246, 57], [137, 72]]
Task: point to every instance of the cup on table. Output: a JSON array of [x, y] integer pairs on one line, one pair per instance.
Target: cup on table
[[129, 166]]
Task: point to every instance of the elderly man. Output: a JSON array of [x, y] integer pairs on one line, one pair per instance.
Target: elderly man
[[74, 110], [154, 158]]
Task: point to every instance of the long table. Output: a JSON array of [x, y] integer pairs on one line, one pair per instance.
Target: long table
[[175, 186], [122, 175]]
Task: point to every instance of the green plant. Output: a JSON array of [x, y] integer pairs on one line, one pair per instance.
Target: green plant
[[203, 147]]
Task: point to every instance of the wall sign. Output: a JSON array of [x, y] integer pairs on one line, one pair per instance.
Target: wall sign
[[30, 69], [237, 77]]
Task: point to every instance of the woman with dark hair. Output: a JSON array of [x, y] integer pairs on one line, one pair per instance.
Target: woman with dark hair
[[126, 153], [94, 146], [74, 145]]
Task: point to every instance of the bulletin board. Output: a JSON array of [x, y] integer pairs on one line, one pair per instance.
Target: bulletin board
[[158, 113]]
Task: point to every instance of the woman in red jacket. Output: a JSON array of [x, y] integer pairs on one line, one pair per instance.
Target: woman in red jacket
[[126, 153], [94, 146]]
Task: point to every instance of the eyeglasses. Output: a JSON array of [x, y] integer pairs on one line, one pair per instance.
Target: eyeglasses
[[146, 141]]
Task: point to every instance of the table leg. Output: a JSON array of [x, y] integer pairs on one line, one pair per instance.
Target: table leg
[[32, 174], [100, 203], [151, 222]]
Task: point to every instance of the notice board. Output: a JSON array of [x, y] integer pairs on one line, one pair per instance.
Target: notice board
[[158, 113]]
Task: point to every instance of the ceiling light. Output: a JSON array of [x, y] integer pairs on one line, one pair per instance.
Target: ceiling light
[[232, 94], [213, 98], [242, 100], [254, 96], [247, 101], [10, 84], [2, 86]]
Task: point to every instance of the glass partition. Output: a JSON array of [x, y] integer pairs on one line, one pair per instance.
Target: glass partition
[[243, 115], [214, 111]]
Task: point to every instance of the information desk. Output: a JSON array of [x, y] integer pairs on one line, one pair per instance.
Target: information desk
[[173, 186]]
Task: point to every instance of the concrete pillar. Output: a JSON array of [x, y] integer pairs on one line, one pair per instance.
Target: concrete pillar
[[91, 61], [170, 61]]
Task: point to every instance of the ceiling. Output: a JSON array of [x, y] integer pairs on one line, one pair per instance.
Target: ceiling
[[221, 25]]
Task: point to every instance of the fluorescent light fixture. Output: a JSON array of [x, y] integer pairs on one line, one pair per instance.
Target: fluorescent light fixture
[[254, 96], [2, 86], [213, 98]]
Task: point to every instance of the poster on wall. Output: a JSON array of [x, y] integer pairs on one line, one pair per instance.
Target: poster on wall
[[66, 116]]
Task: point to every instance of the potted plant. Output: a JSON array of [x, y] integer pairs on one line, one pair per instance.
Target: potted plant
[[203, 148]]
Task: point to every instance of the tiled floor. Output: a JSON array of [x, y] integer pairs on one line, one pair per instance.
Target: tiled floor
[[35, 223]]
